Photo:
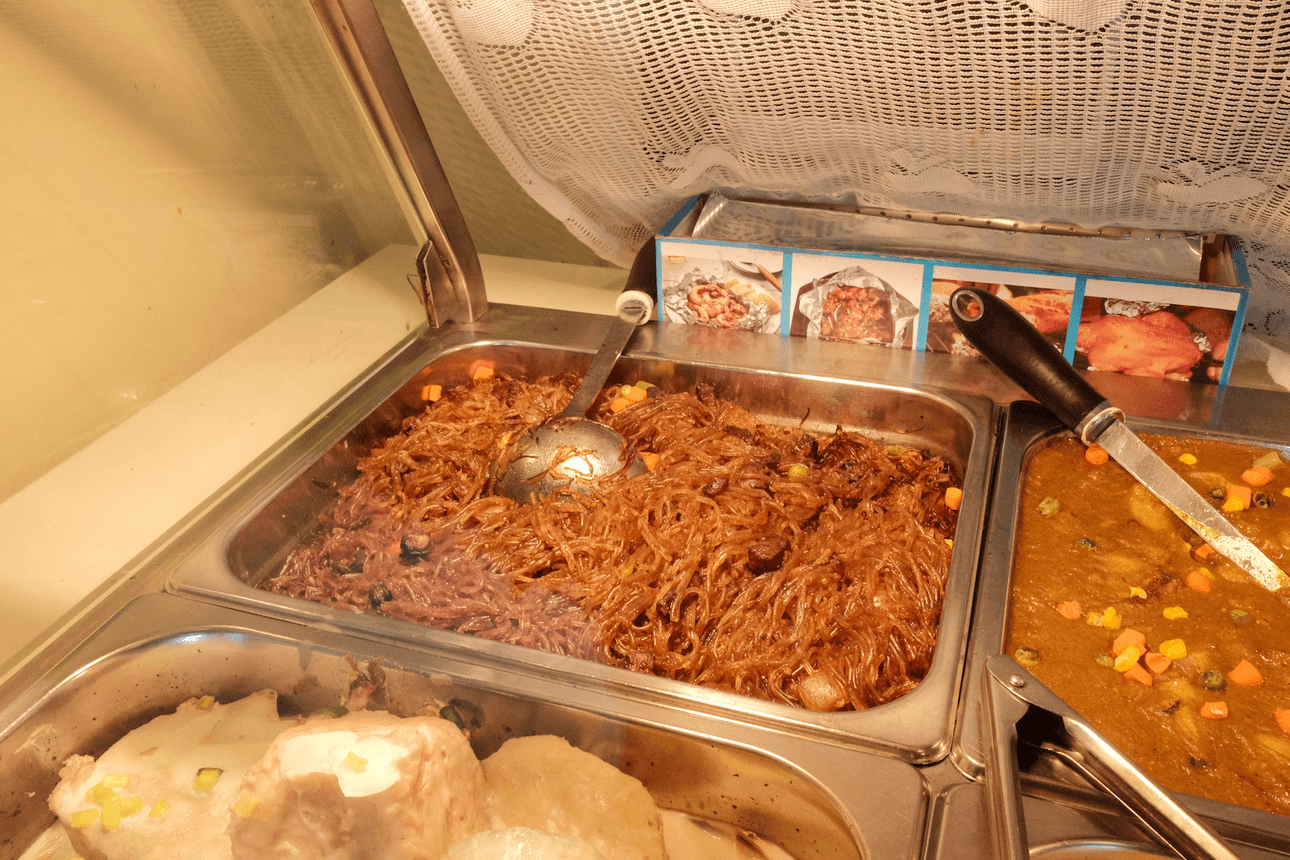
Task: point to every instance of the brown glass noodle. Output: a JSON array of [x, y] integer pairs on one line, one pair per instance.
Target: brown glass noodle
[[653, 573]]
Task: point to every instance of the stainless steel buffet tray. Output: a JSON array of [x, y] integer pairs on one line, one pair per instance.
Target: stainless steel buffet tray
[[877, 391], [160, 650], [1060, 827], [1244, 416]]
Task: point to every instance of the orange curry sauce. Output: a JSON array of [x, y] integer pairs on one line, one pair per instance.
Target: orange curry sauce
[[1099, 561]]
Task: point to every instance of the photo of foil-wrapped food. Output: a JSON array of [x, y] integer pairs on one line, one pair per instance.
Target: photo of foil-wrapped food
[[1048, 310], [855, 306], [733, 294]]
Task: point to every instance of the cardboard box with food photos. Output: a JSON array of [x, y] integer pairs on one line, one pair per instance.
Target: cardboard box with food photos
[[1141, 326]]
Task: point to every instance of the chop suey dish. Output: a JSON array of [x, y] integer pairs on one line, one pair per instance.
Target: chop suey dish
[[1169, 650], [235, 780], [751, 557]]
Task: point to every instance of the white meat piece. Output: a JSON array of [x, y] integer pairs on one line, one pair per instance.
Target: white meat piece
[[158, 764], [364, 785], [522, 843], [544, 783]]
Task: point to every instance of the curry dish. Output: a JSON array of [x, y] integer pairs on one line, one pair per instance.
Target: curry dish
[[1167, 648]]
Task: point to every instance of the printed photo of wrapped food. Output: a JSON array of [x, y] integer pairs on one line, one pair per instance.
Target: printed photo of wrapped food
[[741, 294], [853, 304], [1047, 308]]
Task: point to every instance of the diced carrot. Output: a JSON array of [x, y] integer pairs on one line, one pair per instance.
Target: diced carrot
[[1214, 710], [479, 364], [431, 393], [1204, 552], [618, 404], [651, 459], [1157, 663], [953, 498], [1139, 674], [1070, 610], [1096, 454], [1257, 476], [1245, 674], [484, 371], [1237, 495], [634, 394], [1282, 716], [1198, 580], [1130, 638]]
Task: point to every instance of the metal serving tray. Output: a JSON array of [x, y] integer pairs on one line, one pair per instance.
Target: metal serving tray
[[1060, 827], [160, 650], [1257, 417], [878, 391]]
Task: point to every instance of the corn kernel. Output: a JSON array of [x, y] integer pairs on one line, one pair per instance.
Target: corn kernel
[[99, 793], [206, 778], [798, 472], [1093, 619], [112, 813], [245, 805], [1111, 618], [1233, 505], [1173, 613], [1174, 649], [84, 818], [158, 809], [1136, 591], [1189, 459], [1128, 657], [355, 762], [205, 702], [116, 780]]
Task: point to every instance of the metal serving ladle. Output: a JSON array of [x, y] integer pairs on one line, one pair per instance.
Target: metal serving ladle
[[570, 452]]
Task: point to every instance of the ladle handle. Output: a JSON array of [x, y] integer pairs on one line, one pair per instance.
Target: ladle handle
[[1026, 357], [634, 306]]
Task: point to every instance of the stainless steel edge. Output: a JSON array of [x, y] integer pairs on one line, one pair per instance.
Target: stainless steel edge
[[452, 282], [160, 649]]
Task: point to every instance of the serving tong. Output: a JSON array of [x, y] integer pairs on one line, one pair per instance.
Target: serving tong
[[1011, 694]]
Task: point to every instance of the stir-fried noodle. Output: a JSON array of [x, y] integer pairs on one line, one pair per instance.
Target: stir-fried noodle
[[753, 557]]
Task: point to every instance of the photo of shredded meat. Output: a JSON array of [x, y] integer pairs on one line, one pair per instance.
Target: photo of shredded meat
[[857, 313], [751, 557]]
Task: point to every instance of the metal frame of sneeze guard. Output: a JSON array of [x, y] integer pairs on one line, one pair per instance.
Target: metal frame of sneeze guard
[[451, 283]]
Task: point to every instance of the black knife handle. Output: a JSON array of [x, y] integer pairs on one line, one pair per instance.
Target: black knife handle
[[1017, 348]]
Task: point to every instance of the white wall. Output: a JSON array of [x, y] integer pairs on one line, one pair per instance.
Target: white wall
[[166, 189]]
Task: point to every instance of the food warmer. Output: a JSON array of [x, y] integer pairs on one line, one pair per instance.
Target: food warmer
[[903, 780]]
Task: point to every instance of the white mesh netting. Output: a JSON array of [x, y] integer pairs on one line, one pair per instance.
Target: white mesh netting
[[1157, 114]]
